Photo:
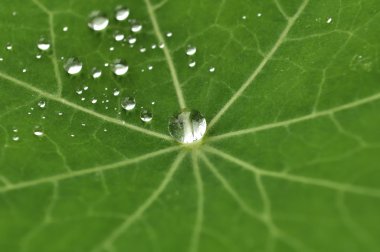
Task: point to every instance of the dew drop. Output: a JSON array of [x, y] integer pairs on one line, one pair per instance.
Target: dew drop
[[143, 49], [118, 36], [121, 13], [191, 50], [16, 138], [188, 126], [119, 67], [9, 46], [73, 66], [43, 44], [129, 103], [150, 67], [329, 20], [211, 69], [38, 56], [132, 40], [38, 132], [146, 116], [98, 21], [192, 63], [116, 93], [136, 27], [169, 34], [24, 70], [41, 104], [94, 100], [96, 73]]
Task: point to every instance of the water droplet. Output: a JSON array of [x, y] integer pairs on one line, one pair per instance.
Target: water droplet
[[146, 116], [24, 70], [112, 48], [43, 44], [136, 27], [244, 17], [94, 100], [132, 40], [73, 66], [96, 73], [9, 46], [150, 67], [79, 91], [65, 28], [60, 113], [85, 88], [259, 14], [118, 36], [121, 13], [38, 56], [98, 21], [16, 138], [143, 49], [120, 67], [41, 104], [191, 50], [211, 69], [38, 132], [161, 45], [329, 20], [192, 63], [1, 59], [154, 46], [169, 34], [116, 93], [129, 103], [188, 126]]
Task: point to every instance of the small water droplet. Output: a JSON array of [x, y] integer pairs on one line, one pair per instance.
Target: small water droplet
[[259, 14], [96, 73], [43, 44], [79, 91], [169, 34], [94, 100], [38, 132], [9, 46], [118, 36], [41, 104], [161, 45], [146, 116], [116, 93], [65, 28], [1, 59], [192, 63], [121, 13], [136, 27], [98, 21], [38, 56], [112, 48], [329, 20], [85, 88], [154, 46], [73, 66], [191, 50], [120, 67], [16, 138], [188, 126], [244, 17], [211, 69], [143, 49], [60, 113], [132, 40], [24, 70], [129, 103], [150, 67]]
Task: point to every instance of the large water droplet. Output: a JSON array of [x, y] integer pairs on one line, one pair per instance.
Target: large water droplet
[[73, 66], [121, 13], [119, 67], [43, 44], [146, 116], [188, 126], [129, 103], [98, 21], [191, 50]]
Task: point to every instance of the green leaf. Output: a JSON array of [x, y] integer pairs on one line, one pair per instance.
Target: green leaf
[[290, 159]]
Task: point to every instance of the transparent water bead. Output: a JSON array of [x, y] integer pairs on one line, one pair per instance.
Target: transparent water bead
[[73, 66], [9, 46], [129, 103], [146, 116], [43, 44], [191, 50], [41, 104], [38, 132], [96, 73], [119, 67], [98, 21], [118, 36], [136, 27], [121, 13], [187, 126]]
